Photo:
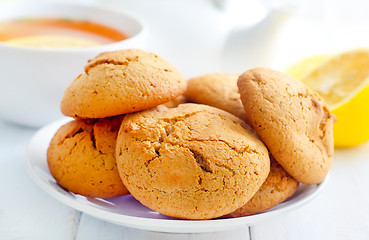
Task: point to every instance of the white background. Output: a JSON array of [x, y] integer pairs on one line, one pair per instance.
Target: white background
[[192, 35]]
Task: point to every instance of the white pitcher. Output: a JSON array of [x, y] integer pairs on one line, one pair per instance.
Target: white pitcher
[[196, 37]]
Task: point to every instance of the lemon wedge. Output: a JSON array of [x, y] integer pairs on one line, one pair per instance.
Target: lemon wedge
[[307, 65], [343, 81]]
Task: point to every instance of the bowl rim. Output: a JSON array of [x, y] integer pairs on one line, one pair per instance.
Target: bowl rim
[[141, 32]]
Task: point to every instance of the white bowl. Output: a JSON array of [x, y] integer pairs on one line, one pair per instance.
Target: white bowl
[[33, 79]]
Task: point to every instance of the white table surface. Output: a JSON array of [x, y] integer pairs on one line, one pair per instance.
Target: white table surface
[[340, 211]]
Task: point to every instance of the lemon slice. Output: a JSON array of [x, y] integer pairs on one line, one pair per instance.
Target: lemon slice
[[307, 65], [343, 81]]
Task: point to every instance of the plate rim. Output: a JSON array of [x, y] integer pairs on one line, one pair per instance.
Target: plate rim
[[152, 224]]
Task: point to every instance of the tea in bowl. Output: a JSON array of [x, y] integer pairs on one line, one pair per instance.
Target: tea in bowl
[[44, 46]]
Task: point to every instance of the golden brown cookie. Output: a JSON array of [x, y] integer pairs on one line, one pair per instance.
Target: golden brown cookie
[[293, 122], [175, 102], [121, 82], [193, 161], [278, 186], [218, 90], [81, 157]]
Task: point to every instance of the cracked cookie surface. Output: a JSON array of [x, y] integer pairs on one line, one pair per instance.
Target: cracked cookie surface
[[81, 157], [218, 90], [278, 186], [120, 82], [191, 162], [293, 122]]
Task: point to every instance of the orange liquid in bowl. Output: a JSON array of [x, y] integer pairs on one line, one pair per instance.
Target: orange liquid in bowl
[[52, 29]]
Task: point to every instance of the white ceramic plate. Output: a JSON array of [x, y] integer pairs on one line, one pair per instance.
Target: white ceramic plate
[[127, 211]]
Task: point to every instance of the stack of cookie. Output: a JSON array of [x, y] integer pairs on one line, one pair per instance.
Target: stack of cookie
[[233, 151], [291, 120], [81, 155]]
